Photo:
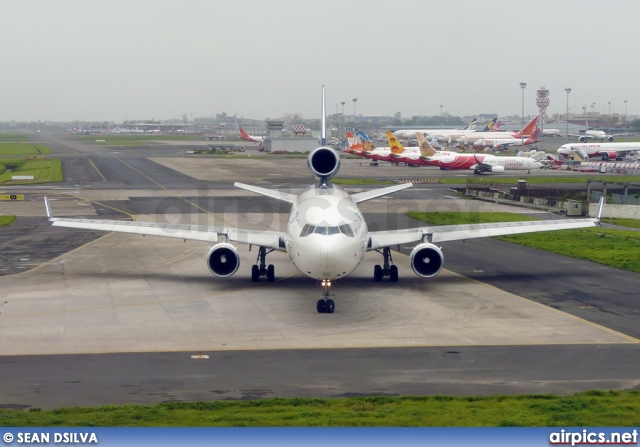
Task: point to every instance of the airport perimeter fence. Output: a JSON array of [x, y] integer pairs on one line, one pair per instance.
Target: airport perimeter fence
[[540, 195]]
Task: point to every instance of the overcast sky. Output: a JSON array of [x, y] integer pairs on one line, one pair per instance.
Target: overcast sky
[[110, 60]]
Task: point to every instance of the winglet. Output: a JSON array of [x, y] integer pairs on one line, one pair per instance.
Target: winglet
[[599, 212], [48, 207]]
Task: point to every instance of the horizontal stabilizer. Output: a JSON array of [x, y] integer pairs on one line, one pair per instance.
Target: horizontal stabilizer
[[368, 195], [284, 196]]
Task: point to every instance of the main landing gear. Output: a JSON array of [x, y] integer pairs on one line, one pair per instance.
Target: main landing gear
[[386, 270], [325, 304], [257, 271]]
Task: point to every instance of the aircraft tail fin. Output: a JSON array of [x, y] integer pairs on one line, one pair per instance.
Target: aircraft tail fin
[[395, 146], [528, 128], [496, 126], [490, 125], [244, 135], [426, 150], [353, 142], [363, 136], [471, 125]]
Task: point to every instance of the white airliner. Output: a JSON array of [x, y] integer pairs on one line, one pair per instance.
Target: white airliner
[[471, 127], [253, 138], [596, 135], [608, 151], [326, 236]]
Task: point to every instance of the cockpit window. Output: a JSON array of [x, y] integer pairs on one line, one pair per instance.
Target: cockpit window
[[346, 230], [307, 230], [326, 231]]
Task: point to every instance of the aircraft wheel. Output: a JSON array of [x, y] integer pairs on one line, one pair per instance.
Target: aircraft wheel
[[255, 273], [329, 307], [271, 273], [377, 273], [393, 273], [321, 306]]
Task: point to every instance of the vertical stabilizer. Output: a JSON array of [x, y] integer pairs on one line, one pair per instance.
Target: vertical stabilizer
[[323, 130], [394, 145], [426, 150]]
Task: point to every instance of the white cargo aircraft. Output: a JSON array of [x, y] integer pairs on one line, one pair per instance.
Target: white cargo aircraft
[[326, 236]]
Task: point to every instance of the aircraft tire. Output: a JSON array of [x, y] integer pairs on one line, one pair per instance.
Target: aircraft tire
[[393, 273], [321, 306], [377, 273], [330, 306], [255, 273], [271, 273]]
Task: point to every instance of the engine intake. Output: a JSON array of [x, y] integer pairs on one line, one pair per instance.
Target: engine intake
[[426, 260], [324, 162], [223, 260], [610, 155]]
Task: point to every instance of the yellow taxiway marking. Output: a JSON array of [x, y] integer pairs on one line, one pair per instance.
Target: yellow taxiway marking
[[98, 171]]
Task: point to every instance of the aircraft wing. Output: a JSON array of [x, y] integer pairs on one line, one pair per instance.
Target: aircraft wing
[[368, 195], [180, 231], [269, 239], [446, 233]]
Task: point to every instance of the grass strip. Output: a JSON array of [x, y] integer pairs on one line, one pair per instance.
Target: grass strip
[[614, 248], [592, 408], [6, 220], [43, 171]]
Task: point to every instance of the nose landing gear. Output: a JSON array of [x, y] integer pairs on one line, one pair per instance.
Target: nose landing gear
[[325, 304]]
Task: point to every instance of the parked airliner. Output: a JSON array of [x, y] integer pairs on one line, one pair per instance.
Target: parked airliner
[[478, 163], [608, 151], [326, 236], [254, 139], [471, 127]]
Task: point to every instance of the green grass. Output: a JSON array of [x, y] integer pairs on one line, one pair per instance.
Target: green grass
[[594, 408], [43, 171], [12, 137], [631, 223], [13, 149], [614, 248], [6, 220], [453, 218]]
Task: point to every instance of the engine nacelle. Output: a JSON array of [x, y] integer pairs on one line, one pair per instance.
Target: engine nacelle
[[610, 138], [223, 260], [426, 260], [609, 155], [497, 169], [582, 139], [323, 162]]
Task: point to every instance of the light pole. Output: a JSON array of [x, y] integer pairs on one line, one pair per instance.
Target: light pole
[[354, 111], [609, 117], [568, 90], [523, 85], [625, 113], [342, 113], [441, 122]]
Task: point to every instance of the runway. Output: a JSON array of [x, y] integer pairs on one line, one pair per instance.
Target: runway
[[115, 318]]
